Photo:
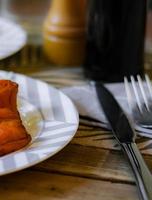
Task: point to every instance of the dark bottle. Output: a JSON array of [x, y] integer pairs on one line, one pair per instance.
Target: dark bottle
[[115, 39]]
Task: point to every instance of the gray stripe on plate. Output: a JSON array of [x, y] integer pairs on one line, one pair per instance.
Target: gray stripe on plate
[[41, 147], [32, 90], [32, 157], [52, 128], [40, 139], [57, 104], [9, 162]]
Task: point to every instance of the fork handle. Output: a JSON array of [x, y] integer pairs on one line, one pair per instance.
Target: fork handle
[[140, 169]]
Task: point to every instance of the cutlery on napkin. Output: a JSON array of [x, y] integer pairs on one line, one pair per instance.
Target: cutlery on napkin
[[123, 132], [85, 100]]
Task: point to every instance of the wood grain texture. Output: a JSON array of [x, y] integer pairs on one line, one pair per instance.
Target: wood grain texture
[[98, 137], [45, 186], [94, 163]]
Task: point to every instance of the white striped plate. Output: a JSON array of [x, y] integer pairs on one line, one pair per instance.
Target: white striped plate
[[48, 115], [12, 38]]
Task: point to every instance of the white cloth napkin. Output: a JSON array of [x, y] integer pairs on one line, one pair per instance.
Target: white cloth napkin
[[74, 85], [86, 102]]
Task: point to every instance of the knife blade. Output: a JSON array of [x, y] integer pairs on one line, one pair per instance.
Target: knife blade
[[123, 131], [116, 117]]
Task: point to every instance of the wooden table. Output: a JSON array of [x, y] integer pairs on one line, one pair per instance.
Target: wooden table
[[90, 167], [82, 170]]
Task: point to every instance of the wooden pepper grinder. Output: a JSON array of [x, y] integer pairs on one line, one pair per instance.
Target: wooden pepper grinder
[[64, 32]]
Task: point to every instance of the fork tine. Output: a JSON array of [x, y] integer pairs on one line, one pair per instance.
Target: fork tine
[[143, 92], [148, 82], [136, 93], [128, 93]]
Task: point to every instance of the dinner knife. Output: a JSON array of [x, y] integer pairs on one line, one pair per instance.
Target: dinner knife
[[124, 133]]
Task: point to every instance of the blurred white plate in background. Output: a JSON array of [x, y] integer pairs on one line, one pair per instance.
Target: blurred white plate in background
[[12, 38]]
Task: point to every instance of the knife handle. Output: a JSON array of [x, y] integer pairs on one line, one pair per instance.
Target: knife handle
[[140, 169]]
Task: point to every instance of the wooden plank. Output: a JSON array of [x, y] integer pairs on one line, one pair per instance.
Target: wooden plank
[[91, 162], [98, 137], [45, 186]]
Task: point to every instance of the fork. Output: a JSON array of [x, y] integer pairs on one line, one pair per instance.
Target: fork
[[139, 97]]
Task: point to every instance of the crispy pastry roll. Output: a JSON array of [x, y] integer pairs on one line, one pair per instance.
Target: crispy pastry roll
[[13, 135]]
